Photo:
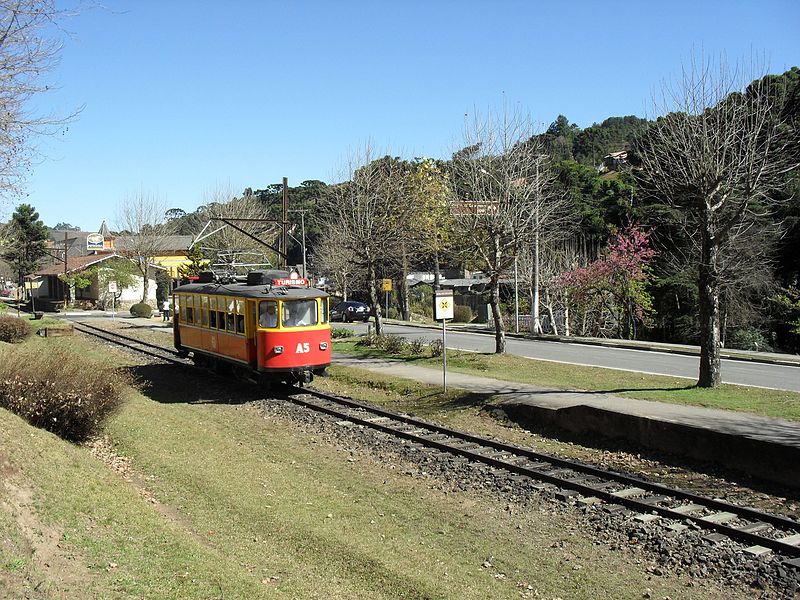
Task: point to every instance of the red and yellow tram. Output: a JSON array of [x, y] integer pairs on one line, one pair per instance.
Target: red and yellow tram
[[273, 326]]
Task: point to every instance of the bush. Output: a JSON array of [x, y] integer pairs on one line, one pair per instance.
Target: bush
[[393, 344], [13, 329], [462, 314], [142, 310], [416, 346], [59, 390], [437, 348], [423, 308], [748, 339], [393, 313], [340, 332], [370, 340]]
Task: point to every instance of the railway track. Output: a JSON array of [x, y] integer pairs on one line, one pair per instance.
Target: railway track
[[152, 350], [568, 480], [578, 482]]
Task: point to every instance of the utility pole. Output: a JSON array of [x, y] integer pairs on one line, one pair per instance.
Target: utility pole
[[284, 237], [302, 212], [65, 270]]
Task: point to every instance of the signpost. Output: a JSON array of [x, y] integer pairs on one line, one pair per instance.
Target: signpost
[[387, 287], [443, 310], [112, 289]]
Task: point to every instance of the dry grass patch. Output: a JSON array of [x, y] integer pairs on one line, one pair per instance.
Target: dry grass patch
[[59, 389]]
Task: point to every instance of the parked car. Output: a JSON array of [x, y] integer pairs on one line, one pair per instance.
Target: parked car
[[348, 312]]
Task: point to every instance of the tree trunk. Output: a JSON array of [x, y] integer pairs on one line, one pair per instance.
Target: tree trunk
[[708, 280], [548, 303], [373, 298], [499, 326], [405, 306], [145, 281], [437, 274]]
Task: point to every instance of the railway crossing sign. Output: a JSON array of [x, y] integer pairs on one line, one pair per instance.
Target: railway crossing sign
[[443, 310], [443, 305]]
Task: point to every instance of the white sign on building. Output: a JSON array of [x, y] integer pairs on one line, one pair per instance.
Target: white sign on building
[[94, 241]]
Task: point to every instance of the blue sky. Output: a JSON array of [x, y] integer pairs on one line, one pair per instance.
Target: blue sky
[[179, 97]]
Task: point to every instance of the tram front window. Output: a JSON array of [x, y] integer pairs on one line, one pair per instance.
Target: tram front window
[[300, 313]]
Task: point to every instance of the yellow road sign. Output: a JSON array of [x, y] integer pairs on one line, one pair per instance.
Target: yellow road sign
[[387, 285]]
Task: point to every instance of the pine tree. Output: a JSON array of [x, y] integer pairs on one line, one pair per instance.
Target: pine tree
[[26, 237]]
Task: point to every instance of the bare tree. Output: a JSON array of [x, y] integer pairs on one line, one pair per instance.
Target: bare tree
[[498, 183], [369, 210], [721, 153], [335, 259], [27, 51], [144, 233]]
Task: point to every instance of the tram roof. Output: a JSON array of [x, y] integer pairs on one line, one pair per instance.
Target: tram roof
[[243, 290]]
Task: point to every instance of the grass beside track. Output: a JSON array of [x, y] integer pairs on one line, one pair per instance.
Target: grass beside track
[[545, 374], [215, 501]]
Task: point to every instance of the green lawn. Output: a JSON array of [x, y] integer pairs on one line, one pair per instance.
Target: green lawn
[[760, 401], [220, 502]]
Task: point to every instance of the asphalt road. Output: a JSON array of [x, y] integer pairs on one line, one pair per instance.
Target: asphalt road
[[641, 361]]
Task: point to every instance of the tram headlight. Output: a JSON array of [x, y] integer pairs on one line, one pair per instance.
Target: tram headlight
[[278, 349], [323, 345]]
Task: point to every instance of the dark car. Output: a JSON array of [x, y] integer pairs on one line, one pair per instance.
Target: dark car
[[350, 311]]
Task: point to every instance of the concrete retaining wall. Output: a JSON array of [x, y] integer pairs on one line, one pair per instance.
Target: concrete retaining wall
[[760, 459]]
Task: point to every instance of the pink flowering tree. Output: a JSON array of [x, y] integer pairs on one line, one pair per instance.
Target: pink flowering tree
[[609, 296]]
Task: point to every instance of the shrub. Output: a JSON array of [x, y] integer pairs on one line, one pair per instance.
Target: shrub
[[423, 308], [3, 306], [462, 314], [142, 309], [393, 313], [13, 329], [416, 346], [340, 332], [370, 340], [59, 390], [393, 344], [437, 348], [748, 338]]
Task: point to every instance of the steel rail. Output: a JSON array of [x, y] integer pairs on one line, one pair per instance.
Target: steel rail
[[547, 467], [166, 354]]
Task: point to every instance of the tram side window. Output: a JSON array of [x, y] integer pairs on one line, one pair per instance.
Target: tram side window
[[230, 317], [240, 316], [204, 310], [323, 315], [268, 313], [212, 312], [299, 313], [189, 309], [181, 299]]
